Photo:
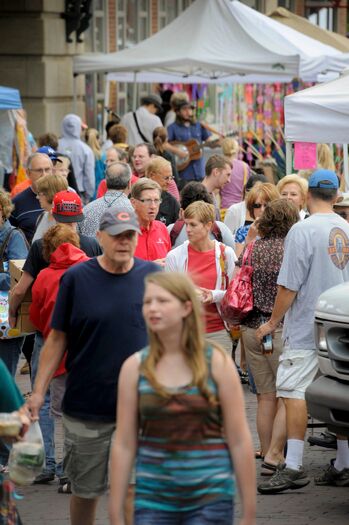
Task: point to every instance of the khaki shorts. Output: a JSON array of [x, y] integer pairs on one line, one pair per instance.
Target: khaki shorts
[[297, 370], [223, 339], [263, 367], [87, 448]]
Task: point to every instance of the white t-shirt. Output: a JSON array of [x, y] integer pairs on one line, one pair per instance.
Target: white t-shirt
[[147, 123], [316, 258]]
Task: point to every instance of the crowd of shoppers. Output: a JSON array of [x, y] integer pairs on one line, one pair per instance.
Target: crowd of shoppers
[[128, 261]]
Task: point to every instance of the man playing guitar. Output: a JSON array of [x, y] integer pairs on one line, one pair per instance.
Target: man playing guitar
[[183, 130]]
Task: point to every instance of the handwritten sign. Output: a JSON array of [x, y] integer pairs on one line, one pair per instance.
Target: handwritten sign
[[305, 157]]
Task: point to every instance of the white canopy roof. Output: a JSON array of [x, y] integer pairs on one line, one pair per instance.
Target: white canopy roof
[[206, 42], [219, 41], [320, 113]]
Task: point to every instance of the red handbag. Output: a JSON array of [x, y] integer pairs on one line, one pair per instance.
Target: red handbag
[[238, 299]]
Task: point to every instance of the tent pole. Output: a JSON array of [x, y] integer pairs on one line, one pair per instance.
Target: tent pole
[[75, 95], [288, 157], [346, 166], [135, 91]]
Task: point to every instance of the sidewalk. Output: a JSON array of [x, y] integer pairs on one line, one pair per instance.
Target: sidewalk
[[42, 505]]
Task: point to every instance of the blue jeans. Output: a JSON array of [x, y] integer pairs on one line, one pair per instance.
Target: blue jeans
[[45, 420], [10, 350], [218, 513]]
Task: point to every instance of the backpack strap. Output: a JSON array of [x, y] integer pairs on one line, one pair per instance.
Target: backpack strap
[[176, 230], [138, 128]]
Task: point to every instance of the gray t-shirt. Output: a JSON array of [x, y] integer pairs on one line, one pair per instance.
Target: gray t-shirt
[[316, 258], [227, 237]]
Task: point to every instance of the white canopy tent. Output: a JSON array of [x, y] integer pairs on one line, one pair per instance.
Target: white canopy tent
[[219, 41], [319, 114], [205, 42]]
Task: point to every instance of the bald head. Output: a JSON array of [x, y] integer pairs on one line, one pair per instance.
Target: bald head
[[118, 176], [38, 165]]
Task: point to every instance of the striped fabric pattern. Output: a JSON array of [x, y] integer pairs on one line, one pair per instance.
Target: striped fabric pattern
[[183, 460]]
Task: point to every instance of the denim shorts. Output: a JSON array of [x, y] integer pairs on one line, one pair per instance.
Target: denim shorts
[[217, 513]]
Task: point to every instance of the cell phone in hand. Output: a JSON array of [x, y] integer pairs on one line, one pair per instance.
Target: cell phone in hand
[[267, 344]]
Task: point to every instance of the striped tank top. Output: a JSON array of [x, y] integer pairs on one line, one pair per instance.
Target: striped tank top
[[183, 461]]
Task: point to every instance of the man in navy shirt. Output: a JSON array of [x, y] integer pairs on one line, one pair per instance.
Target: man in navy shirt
[[27, 207], [183, 129], [98, 321]]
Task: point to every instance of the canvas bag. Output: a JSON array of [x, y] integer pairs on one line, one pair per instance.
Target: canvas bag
[[238, 299]]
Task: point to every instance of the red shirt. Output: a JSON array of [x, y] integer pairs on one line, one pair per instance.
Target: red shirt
[[203, 271], [102, 188], [153, 243], [45, 289]]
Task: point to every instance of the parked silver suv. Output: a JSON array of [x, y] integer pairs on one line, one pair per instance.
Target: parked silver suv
[[328, 396]]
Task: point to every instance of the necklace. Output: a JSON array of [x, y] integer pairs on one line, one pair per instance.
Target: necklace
[[110, 203]]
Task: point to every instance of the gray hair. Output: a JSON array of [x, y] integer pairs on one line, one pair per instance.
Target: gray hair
[[118, 176], [33, 156]]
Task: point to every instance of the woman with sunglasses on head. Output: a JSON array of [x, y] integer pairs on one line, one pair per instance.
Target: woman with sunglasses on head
[[175, 417], [256, 201], [210, 265]]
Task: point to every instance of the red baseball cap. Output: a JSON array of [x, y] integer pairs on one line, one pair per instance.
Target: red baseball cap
[[67, 207]]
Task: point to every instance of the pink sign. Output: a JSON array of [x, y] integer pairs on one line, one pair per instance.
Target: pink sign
[[305, 157]]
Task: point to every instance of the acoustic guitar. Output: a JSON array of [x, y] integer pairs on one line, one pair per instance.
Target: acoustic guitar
[[193, 149]]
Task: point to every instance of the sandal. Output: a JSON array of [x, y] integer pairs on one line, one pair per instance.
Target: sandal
[[65, 489], [268, 469]]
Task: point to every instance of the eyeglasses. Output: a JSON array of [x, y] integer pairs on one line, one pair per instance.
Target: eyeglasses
[[168, 178], [257, 206], [343, 214], [60, 170], [41, 170], [40, 194], [149, 202]]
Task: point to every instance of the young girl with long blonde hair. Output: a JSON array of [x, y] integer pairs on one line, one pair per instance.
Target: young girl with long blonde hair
[[181, 416]]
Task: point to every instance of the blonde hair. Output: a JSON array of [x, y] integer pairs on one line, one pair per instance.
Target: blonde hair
[[144, 184], [200, 210], [192, 338], [230, 147], [6, 204], [325, 157], [265, 190], [156, 165], [92, 140], [294, 179], [49, 185]]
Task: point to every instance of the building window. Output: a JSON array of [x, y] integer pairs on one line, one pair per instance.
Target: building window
[[287, 4], [324, 17], [133, 22], [258, 5]]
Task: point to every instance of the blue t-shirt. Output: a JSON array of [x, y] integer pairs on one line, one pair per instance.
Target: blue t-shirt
[[196, 168], [26, 212], [101, 315]]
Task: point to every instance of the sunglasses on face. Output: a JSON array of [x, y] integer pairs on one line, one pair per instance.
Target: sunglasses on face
[[257, 206]]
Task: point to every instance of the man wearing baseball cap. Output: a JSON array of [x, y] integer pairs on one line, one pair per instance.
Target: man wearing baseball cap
[[141, 123], [316, 258], [98, 320]]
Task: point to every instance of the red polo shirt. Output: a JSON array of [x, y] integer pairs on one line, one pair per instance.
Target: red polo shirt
[[102, 188], [153, 243]]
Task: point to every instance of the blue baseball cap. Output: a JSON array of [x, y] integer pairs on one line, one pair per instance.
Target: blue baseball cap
[[326, 179], [50, 152]]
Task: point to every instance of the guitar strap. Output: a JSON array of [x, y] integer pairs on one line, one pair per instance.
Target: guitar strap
[[138, 128]]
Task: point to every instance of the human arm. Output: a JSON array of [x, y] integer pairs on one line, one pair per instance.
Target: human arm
[[50, 357], [17, 248], [125, 443], [283, 301], [38, 301], [16, 296], [237, 433], [89, 175]]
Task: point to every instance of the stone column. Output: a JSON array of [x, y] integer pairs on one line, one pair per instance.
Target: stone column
[[35, 58]]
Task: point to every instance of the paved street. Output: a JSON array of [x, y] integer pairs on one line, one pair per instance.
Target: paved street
[[312, 505]]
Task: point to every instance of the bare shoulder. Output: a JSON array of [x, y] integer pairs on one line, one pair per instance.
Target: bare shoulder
[[222, 364], [131, 366]]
